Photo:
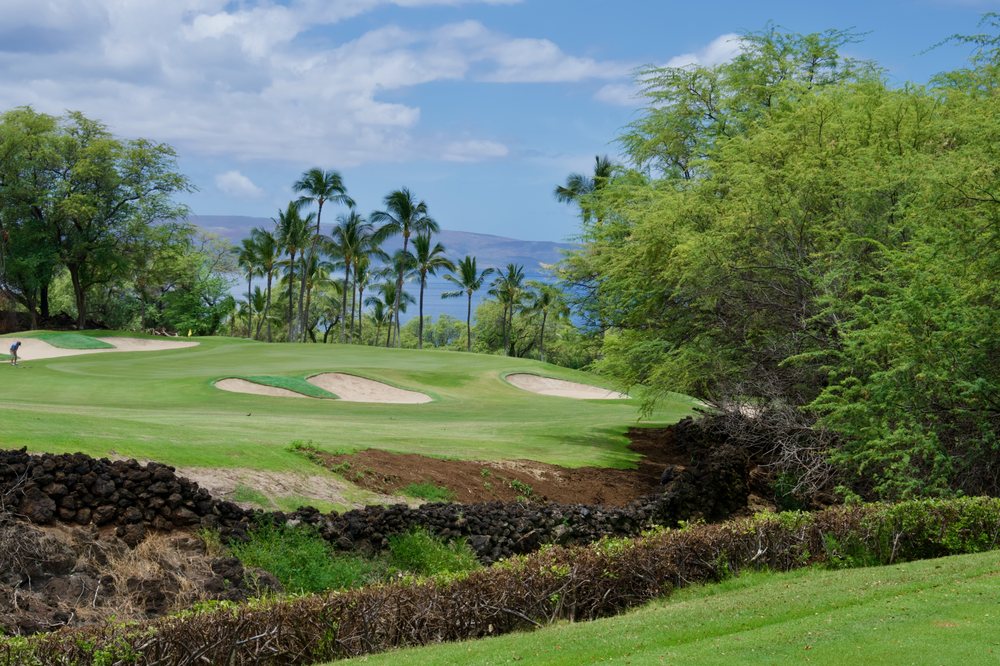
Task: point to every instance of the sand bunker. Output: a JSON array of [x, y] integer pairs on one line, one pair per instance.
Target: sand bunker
[[352, 388], [562, 388], [33, 349], [243, 386], [147, 344]]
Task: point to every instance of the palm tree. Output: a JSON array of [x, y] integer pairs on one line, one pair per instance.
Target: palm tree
[[402, 215], [319, 187], [246, 257], [546, 298], [293, 236], [508, 288], [390, 299], [468, 281], [268, 254], [316, 273], [428, 260], [353, 238], [578, 186]]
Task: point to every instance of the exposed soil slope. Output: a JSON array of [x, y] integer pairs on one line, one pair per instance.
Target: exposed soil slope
[[474, 481]]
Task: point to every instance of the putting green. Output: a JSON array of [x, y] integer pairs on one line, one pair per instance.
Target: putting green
[[163, 405]]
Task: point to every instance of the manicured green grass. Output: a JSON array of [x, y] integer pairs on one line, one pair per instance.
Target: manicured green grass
[[428, 491], [71, 340], [943, 611], [163, 406], [295, 384]]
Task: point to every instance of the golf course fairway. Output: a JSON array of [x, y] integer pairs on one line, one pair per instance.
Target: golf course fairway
[[163, 405]]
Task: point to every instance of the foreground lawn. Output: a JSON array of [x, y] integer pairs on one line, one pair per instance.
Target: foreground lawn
[[943, 611], [163, 406]]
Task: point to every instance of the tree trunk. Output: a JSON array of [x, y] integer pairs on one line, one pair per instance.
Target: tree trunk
[[267, 309], [399, 288], [541, 344], [291, 298], [420, 338], [44, 301], [506, 332], [303, 281], [307, 284], [388, 334], [80, 295], [343, 302], [361, 315], [354, 291], [468, 324], [249, 307]]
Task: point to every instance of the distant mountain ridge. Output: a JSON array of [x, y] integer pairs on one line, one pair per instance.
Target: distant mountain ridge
[[489, 250]]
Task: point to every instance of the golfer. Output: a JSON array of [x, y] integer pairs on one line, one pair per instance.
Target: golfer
[[13, 352]]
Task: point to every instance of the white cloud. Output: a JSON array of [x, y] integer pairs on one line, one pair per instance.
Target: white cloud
[[619, 94], [257, 79], [236, 184], [721, 49], [473, 150]]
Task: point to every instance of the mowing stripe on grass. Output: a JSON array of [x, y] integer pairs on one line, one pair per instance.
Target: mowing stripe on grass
[[296, 384], [72, 341]]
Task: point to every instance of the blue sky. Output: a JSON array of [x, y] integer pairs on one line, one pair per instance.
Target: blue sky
[[479, 106]]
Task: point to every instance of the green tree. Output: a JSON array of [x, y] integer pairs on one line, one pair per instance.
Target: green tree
[[319, 187], [546, 299], [509, 288], [468, 281], [268, 252], [248, 260], [293, 235], [428, 260], [403, 216]]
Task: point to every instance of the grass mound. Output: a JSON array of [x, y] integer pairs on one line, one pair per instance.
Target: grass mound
[[72, 341], [912, 613], [296, 384]]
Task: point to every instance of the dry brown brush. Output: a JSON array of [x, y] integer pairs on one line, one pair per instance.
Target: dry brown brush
[[525, 592]]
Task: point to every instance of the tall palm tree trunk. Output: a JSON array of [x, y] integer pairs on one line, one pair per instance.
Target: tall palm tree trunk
[[307, 288], [468, 324], [388, 334], [361, 315], [420, 328], [541, 343], [267, 305], [343, 302], [249, 307], [291, 297], [399, 289], [354, 293]]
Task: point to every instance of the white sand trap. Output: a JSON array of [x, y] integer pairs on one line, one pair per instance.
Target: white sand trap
[[33, 349], [352, 388], [562, 388], [243, 386], [147, 344]]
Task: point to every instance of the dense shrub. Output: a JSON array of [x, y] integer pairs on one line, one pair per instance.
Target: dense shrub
[[525, 592], [302, 560], [421, 553]]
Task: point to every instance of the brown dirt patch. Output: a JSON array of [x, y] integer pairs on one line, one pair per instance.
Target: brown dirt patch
[[483, 481]]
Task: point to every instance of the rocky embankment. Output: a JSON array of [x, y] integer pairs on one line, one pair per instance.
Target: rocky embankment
[[77, 530]]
